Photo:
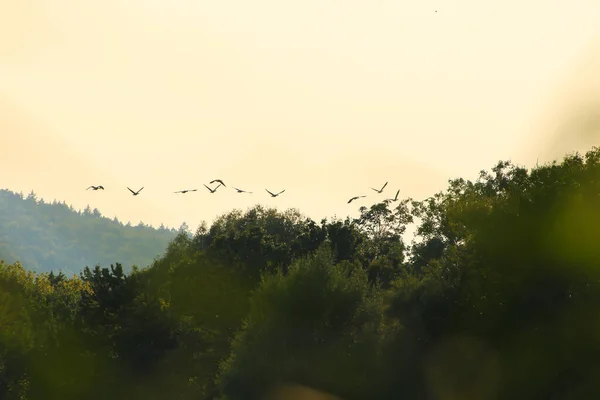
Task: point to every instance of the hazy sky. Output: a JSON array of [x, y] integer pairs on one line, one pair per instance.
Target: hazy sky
[[322, 98]]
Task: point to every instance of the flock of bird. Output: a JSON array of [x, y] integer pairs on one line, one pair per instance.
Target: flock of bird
[[378, 191], [221, 183]]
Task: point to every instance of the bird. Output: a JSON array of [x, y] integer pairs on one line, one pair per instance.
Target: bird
[[241, 191], [380, 190], [135, 193], [186, 190], [355, 198], [95, 187], [395, 198], [212, 190], [275, 195], [218, 180]]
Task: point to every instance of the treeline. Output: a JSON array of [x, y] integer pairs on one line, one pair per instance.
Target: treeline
[[497, 300], [55, 237]]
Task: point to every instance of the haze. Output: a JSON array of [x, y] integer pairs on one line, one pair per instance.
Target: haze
[[322, 98]]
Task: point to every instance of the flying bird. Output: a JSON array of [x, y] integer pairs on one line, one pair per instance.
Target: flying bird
[[241, 191], [395, 198], [380, 190], [355, 198], [186, 190], [218, 180], [275, 195], [95, 187], [135, 193], [212, 190]]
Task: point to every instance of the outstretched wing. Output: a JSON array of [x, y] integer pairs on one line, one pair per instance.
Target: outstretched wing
[[130, 190], [383, 187], [218, 180], [280, 192], [270, 192]]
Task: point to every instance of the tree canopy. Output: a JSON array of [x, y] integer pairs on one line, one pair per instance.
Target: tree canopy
[[496, 299]]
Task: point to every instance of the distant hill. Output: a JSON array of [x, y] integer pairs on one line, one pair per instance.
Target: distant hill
[[54, 236]]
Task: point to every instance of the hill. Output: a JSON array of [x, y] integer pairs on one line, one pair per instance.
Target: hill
[[54, 236]]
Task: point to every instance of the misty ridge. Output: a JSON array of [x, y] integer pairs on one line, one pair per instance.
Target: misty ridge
[[53, 236], [497, 299]]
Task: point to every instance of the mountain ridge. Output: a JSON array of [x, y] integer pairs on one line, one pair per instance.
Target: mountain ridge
[[53, 236]]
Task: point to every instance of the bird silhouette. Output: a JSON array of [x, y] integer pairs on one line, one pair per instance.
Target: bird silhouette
[[241, 191], [395, 198], [212, 190], [275, 195], [135, 193], [355, 198], [380, 190], [186, 190], [95, 187], [218, 180]]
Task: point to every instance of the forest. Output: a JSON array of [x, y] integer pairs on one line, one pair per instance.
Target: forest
[[496, 299], [54, 237]]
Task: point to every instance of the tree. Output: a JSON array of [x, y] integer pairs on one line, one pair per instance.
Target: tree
[[261, 239], [184, 228], [32, 197], [514, 271], [383, 252], [344, 237], [313, 326]]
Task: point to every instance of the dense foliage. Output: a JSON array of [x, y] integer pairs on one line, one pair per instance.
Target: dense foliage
[[55, 237], [496, 300]]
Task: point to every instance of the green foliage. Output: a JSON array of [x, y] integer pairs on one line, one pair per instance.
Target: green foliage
[[261, 239], [497, 297], [317, 325]]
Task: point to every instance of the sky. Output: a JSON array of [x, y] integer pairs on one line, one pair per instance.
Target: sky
[[325, 99]]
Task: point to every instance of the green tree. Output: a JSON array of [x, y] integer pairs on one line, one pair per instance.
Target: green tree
[[316, 326], [383, 252]]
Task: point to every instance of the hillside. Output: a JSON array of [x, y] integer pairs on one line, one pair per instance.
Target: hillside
[[54, 236], [499, 300]]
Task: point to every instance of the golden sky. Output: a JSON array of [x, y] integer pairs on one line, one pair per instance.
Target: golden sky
[[322, 98]]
